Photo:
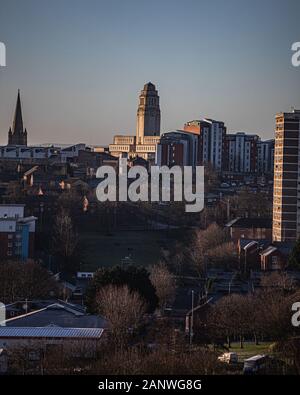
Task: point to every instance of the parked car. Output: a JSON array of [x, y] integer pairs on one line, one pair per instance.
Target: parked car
[[255, 365], [225, 185], [229, 357]]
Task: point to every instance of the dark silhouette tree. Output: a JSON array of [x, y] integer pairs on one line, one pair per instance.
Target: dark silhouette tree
[[294, 258], [136, 278]]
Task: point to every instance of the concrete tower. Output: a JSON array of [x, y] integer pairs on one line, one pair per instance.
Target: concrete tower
[[17, 135], [286, 193], [148, 114]]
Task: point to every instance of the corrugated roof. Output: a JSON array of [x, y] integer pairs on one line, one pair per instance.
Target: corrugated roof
[[261, 243], [51, 332], [30, 171], [251, 244], [269, 251]]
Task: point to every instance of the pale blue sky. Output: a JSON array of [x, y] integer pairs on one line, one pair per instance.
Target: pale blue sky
[[80, 64]]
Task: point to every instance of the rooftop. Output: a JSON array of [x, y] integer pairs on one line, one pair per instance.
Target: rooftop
[[149, 86], [60, 315], [250, 223], [269, 251], [50, 331], [261, 243], [12, 205]]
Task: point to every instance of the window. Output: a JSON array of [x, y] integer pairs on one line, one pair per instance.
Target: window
[[34, 355]]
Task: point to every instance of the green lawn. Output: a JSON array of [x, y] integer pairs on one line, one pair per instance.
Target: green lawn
[[107, 250], [250, 349]]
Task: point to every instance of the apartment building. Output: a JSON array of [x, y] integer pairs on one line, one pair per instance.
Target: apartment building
[[211, 146], [177, 148], [241, 152], [286, 196], [16, 232]]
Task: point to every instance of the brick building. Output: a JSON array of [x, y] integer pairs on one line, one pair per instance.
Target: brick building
[[250, 228], [17, 232], [177, 148], [211, 145]]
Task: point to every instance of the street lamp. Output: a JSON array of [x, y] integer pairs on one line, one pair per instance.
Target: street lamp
[[192, 320]]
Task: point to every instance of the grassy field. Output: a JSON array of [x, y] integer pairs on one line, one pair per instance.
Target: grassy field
[[144, 247], [250, 349]]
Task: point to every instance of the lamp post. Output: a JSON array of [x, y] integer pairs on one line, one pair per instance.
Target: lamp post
[[192, 320], [245, 263]]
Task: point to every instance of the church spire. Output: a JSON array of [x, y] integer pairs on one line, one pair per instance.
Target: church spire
[[18, 119], [17, 136]]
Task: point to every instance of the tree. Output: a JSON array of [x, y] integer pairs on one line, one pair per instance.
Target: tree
[[38, 282], [135, 277], [281, 281], [122, 308], [15, 192], [211, 177], [231, 317], [264, 313], [210, 246], [223, 255], [169, 354], [163, 283], [273, 309], [247, 204], [273, 314], [294, 258], [219, 322], [25, 281], [65, 238], [70, 201]]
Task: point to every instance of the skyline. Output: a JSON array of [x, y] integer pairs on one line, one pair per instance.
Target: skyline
[[80, 78]]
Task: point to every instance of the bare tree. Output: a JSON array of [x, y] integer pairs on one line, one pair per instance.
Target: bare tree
[[277, 280], [210, 246], [70, 201], [163, 283], [273, 312], [123, 309], [247, 203], [65, 238], [169, 354], [14, 192], [25, 281], [231, 317], [223, 255], [10, 281], [211, 178]]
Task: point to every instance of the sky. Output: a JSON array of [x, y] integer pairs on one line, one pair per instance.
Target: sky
[[80, 64]]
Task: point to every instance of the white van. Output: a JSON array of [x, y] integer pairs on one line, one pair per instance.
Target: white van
[[255, 365]]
